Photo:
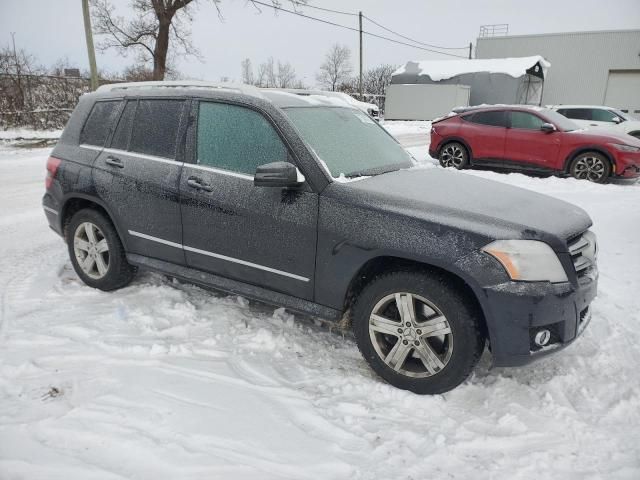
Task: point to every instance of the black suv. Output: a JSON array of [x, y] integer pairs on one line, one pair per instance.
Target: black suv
[[306, 203]]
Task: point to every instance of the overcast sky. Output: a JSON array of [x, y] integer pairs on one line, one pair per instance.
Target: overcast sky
[[53, 29]]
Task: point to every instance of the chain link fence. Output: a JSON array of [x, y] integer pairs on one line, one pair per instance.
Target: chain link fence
[[39, 101]]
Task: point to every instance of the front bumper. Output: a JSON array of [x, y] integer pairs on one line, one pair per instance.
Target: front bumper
[[519, 310], [627, 165]]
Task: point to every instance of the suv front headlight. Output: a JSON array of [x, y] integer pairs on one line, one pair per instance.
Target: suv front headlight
[[528, 260], [625, 148]]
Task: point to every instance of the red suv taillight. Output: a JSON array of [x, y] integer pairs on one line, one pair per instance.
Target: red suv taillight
[[52, 168]]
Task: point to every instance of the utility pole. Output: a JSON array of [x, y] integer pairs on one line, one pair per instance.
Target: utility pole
[[89, 37], [23, 95], [15, 53], [470, 49], [360, 83]]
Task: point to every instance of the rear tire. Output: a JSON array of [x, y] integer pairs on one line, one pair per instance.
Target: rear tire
[[454, 154], [96, 252], [591, 166], [418, 331]]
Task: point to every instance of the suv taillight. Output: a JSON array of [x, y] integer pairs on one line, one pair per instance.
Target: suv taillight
[[52, 168]]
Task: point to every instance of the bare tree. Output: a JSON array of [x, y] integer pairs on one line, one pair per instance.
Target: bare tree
[[15, 65], [376, 80], [336, 67], [156, 25], [261, 79], [137, 73], [247, 71], [286, 75], [271, 74]]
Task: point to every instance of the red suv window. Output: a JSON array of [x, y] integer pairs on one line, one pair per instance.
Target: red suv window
[[492, 118]]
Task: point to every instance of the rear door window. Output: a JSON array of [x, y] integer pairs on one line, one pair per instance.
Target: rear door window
[[97, 127], [526, 121], [235, 138], [123, 130], [155, 127], [576, 113], [493, 118]]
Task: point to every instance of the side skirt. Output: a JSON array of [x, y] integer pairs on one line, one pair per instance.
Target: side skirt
[[514, 166], [235, 287]]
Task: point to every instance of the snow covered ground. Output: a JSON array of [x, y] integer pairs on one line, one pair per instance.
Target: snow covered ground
[[165, 380]]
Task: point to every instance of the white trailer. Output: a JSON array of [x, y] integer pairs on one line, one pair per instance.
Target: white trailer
[[423, 101]]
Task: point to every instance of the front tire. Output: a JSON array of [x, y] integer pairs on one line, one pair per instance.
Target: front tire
[[455, 155], [96, 252], [591, 166], [418, 331]]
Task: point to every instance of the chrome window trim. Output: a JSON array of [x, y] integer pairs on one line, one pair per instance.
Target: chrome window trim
[[221, 171], [218, 256], [144, 156]]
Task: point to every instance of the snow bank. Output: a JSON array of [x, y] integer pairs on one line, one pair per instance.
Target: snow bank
[[443, 69], [28, 134]]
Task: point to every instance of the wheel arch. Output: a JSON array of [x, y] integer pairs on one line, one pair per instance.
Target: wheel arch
[[383, 263], [590, 148], [76, 202]]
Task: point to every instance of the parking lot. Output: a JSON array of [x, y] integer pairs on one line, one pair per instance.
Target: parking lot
[[163, 379]]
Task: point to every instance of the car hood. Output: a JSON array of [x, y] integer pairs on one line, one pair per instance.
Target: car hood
[[465, 202], [606, 135]]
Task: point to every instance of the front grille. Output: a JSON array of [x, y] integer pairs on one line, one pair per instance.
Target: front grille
[[582, 250]]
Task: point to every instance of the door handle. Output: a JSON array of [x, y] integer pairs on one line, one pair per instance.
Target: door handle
[[116, 162], [198, 185]]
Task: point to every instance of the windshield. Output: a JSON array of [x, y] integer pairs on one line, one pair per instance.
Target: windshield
[[348, 141], [560, 121]]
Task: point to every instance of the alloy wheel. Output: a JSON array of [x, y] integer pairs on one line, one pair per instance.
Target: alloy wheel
[[411, 335], [452, 156], [91, 250], [589, 168]]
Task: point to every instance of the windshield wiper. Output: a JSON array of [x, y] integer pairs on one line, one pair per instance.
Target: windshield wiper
[[369, 172]]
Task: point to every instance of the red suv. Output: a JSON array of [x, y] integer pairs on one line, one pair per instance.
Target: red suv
[[534, 139]]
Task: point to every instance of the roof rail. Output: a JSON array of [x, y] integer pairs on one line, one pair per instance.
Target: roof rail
[[237, 87]]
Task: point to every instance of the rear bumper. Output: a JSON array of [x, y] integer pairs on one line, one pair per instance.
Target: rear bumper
[[520, 310], [52, 212]]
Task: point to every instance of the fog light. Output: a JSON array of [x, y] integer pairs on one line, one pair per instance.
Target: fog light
[[542, 337]]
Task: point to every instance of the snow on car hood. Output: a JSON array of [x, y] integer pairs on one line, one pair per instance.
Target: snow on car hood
[[607, 135], [466, 202]]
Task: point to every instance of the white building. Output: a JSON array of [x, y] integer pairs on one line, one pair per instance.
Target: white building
[[597, 68]]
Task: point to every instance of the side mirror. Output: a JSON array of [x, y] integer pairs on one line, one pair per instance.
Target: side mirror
[[548, 127], [278, 174], [617, 120]]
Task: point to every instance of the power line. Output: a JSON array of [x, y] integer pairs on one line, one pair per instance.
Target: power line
[[323, 9], [411, 39], [293, 12], [305, 5]]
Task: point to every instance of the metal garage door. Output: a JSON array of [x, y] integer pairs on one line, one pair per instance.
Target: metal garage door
[[623, 90]]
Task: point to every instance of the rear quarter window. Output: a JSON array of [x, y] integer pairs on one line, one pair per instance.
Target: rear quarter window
[[98, 124], [492, 119]]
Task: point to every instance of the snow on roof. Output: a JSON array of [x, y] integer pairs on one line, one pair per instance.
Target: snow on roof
[[443, 69]]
